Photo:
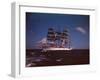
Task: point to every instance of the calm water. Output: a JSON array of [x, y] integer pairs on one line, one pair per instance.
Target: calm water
[[35, 58]]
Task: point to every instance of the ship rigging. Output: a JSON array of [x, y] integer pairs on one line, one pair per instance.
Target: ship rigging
[[57, 40]]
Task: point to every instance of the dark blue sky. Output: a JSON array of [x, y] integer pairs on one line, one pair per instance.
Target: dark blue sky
[[37, 25]]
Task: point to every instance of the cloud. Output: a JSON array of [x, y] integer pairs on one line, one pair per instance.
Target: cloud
[[82, 30]]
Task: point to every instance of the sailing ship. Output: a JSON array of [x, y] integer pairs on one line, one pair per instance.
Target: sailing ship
[[57, 40]]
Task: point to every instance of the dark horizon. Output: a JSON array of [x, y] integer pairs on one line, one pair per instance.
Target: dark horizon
[[41, 48]]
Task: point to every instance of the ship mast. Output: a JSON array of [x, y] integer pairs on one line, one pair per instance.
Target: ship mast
[[58, 39], [64, 38], [51, 37]]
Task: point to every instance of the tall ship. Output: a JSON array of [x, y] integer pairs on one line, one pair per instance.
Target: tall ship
[[57, 40]]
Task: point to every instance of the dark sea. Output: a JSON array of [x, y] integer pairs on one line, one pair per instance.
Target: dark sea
[[37, 58]]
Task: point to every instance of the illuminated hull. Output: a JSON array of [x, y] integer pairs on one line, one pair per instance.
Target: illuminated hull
[[57, 49]]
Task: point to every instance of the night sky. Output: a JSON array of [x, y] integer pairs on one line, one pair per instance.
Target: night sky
[[37, 25]]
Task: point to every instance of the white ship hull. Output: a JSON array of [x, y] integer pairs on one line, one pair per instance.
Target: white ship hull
[[57, 49]]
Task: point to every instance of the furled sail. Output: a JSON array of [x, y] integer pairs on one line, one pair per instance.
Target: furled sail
[[57, 38]]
